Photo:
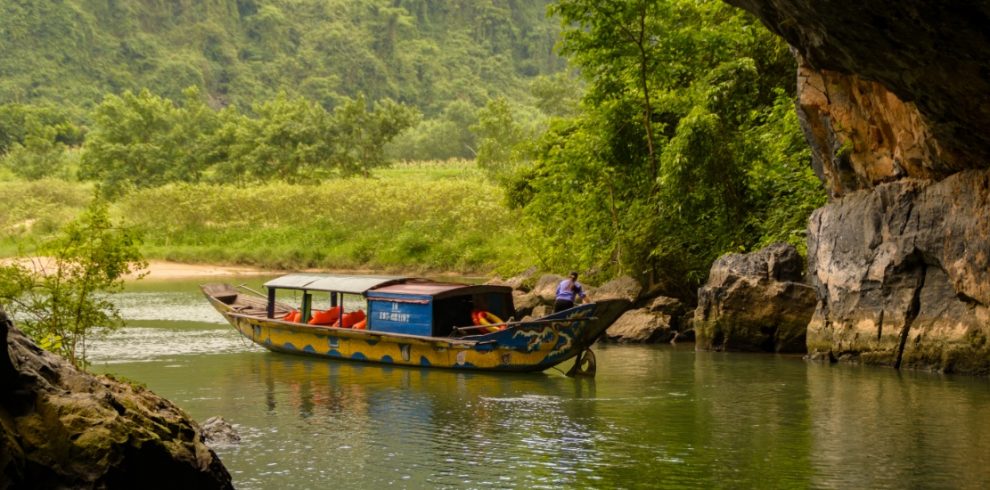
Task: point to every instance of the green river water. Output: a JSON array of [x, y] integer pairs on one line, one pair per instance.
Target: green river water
[[654, 417]]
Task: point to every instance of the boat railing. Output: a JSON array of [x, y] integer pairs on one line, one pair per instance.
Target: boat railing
[[246, 288], [511, 323]]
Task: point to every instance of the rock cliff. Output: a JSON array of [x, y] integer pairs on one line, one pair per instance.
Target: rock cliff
[[893, 98], [63, 428], [903, 274]]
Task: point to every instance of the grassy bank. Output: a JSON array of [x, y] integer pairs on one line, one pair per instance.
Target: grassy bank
[[432, 216]]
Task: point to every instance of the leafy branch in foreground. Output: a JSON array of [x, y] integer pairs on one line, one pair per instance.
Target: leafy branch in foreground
[[62, 298]]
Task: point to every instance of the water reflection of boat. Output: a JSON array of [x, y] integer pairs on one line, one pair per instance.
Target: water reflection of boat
[[357, 390], [412, 322]]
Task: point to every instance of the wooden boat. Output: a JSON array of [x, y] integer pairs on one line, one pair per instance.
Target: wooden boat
[[412, 322]]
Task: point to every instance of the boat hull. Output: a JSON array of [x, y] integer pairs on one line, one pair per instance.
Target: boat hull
[[524, 346]]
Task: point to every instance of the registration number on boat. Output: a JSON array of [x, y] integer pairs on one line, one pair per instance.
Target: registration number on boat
[[393, 316]]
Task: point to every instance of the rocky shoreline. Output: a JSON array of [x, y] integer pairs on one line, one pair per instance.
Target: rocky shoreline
[[876, 299], [64, 428]]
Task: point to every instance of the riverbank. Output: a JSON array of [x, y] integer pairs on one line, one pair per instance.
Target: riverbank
[[164, 270]]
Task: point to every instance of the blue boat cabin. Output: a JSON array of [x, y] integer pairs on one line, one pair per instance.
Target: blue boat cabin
[[398, 304]]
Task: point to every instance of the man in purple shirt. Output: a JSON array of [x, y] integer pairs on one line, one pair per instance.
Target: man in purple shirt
[[567, 291]]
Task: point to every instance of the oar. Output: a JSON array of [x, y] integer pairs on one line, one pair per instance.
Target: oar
[[245, 286]]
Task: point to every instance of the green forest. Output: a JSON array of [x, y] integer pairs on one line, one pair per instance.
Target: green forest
[[641, 138]]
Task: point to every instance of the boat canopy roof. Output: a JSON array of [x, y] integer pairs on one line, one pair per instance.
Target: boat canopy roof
[[361, 284], [440, 290], [342, 283]]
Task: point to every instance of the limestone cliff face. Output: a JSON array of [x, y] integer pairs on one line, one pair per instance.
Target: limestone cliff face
[[894, 98], [903, 274], [934, 56], [861, 134]]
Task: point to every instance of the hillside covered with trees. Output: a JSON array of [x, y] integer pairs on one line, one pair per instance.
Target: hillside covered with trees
[[612, 137], [446, 59]]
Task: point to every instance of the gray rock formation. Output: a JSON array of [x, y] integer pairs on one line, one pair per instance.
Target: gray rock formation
[[755, 302], [525, 303], [893, 100], [63, 428], [641, 326], [218, 432], [623, 287], [522, 282], [660, 320], [668, 305], [541, 311], [546, 287], [682, 318], [932, 56]]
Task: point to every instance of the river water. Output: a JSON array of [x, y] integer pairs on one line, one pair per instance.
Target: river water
[[654, 417]]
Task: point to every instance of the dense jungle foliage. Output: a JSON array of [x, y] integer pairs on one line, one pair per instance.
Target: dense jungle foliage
[[444, 58], [612, 137], [686, 145]]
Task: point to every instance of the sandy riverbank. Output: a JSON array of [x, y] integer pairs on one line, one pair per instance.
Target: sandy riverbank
[[166, 270], [161, 269]]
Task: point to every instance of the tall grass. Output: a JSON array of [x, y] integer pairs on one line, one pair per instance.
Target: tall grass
[[431, 216], [36, 209]]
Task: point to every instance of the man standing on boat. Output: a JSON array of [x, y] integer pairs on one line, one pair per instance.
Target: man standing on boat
[[567, 291]]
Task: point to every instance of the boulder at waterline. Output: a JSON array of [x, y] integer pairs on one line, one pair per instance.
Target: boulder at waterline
[[218, 432], [754, 302], [661, 320], [668, 305], [641, 326], [522, 282], [541, 311], [64, 428]]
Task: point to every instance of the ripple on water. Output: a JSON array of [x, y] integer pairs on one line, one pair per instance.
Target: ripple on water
[[167, 305], [135, 344]]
